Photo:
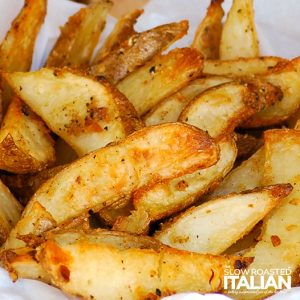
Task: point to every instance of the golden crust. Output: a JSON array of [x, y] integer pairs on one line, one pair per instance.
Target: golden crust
[[26, 145], [138, 50], [79, 36], [208, 35]]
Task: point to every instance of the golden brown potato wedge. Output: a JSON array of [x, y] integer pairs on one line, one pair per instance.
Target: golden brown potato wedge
[[22, 263], [247, 176], [86, 113], [137, 50], [241, 66], [279, 246], [287, 78], [122, 31], [170, 108], [167, 198], [79, 36], [161, 77], [16, 50], [10, 212], [146, 157], [26, 145], [222, 108], [239, 38], [165, 271], [229, 217], [208, 34]]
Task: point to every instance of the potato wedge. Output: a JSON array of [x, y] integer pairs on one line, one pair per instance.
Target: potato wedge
[[242, 66], [208, 34], [170, 108], [79, 36], [146, 157], [22, 263], [279, 246], [287, 78], [165, 271], [16, 50], [137, 50], [161, 77], [247, 176], [10, 212], [238, 213], [86, 113], [26, 145], [167, 198], [122, 31], [222, 108], [239, 37]]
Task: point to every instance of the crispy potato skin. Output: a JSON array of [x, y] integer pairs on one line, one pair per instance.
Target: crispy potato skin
[[286, 76], [137, 50], [239, 37], [86, 113], [17, 48], [242, 66], [161, 77], [208, 35], [10, 212], [122, 31], [115, 172], [79, 36], [165, 271], [188, 231], [247, 145], [25, 142]]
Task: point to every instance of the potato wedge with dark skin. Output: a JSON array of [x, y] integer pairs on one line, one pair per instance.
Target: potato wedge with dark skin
[[208, 34], [161, 77], [243, 66], [239, 37], [79, 36], [138, 50], [17, 48], [287, 77], [10, 212], [165, 270], [26, 145], [99, 179], [279, 244], [86, 113], [239, 214], [122, 31], [170, 108]]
